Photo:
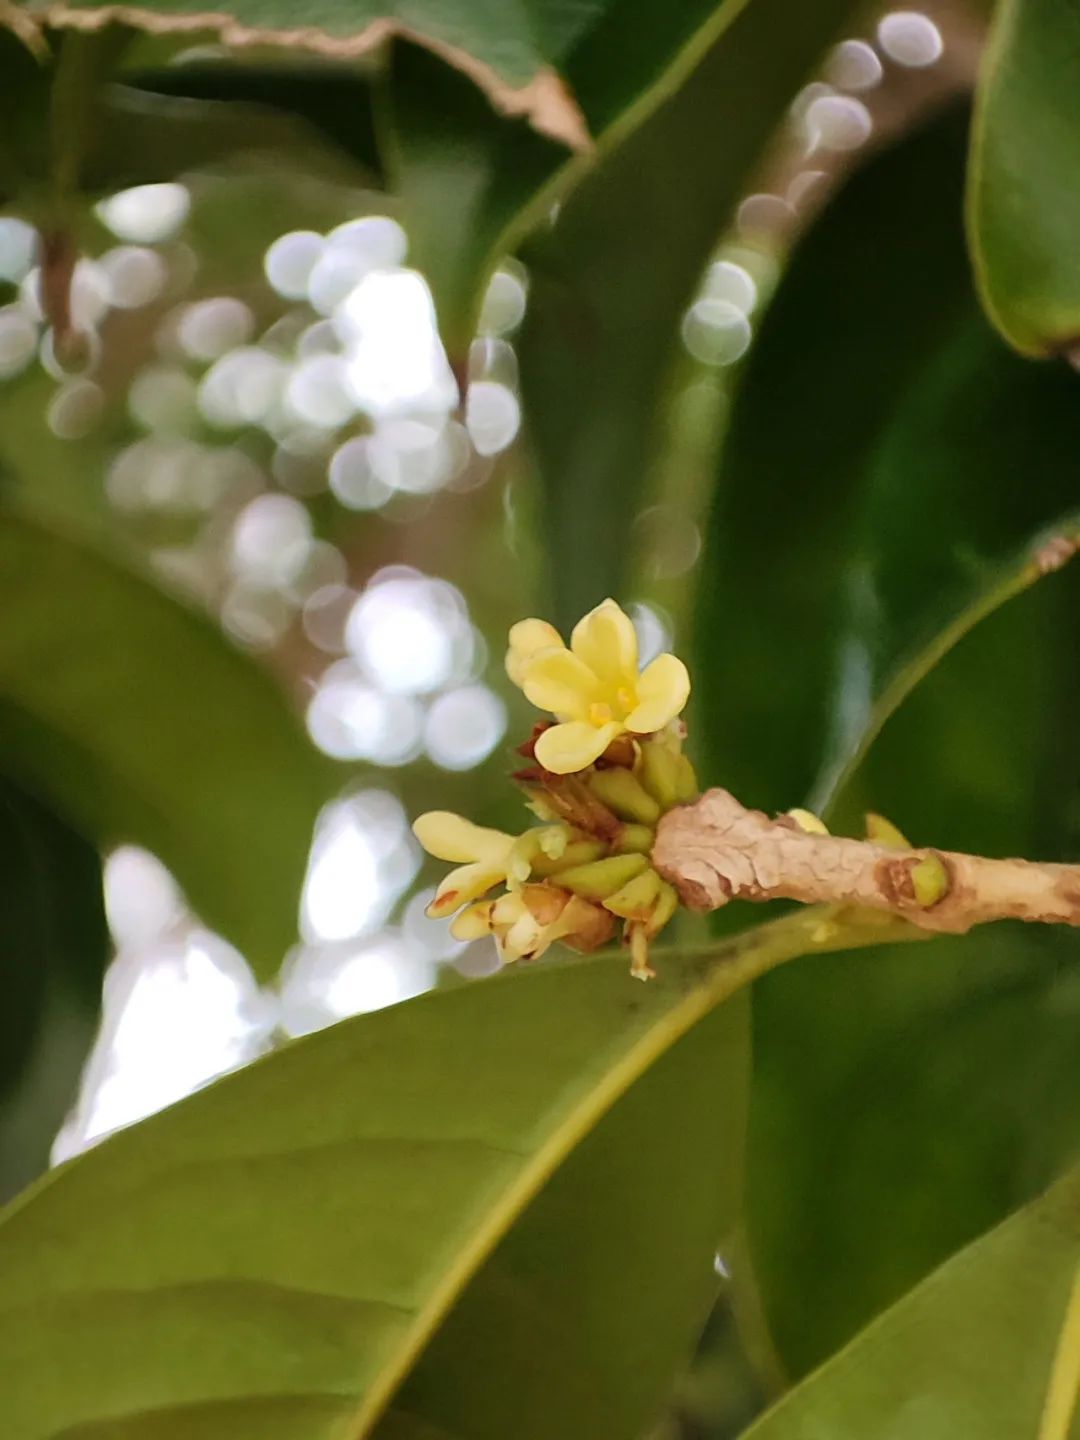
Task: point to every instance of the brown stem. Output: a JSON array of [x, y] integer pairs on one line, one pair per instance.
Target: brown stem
[[716, 850]]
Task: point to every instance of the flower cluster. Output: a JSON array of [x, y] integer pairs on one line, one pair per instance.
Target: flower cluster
[[598, 779]]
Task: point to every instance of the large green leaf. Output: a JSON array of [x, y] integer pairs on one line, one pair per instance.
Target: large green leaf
[[944, 533], [578, 1323], [1024, 210], [884, 487], [969, 1353], [348, 1188], [53, 948], [910, 1108], [610, 282], [139, 722]]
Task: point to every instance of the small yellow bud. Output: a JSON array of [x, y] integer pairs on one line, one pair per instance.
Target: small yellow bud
[[625, 795], [930, 880], [808, 822], [880, 831]]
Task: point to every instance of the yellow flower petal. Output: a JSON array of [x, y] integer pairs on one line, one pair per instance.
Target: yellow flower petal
[[565, 749], [466, 883], [526, 638], [557, 681], [451, 837], [525, 938], [607, 642], [473, 923], [663, 688]]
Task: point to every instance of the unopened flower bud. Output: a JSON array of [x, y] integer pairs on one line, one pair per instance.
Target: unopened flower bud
[[635, 839], [808, 822], [603, 877], [930, 880], [621, 792], [880, 831], [647, 899], [579, 851], [660, 772]]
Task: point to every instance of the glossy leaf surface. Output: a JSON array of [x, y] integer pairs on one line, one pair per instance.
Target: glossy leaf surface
[[377, 1201], [970, 1352], [1024, 211]]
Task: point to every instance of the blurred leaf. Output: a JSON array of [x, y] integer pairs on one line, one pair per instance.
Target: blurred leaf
[[138, 720], [946, 529], [909, 1106], [24, 86], [53, 949], [885, 259], [969, 1353], [896, 489], [142, 137], [611, 281], [464, 180], [504, 46], [202, 105], [1024, 209], [168, 122], [384, 1159], [568, 69]]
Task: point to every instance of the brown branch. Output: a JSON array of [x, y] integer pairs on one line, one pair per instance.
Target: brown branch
[[716, 850]]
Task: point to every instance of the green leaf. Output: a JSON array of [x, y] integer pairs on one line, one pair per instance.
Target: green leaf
[[53, 949], [466, 182], [588, 1309], [141, 136], [910, 1108], [167, 122], [969, 1353], [900, 491], [611, 281], [946, 530], [139, 722], [202, 112], [1024, 212], [569, 69], [885, 259], [385, 1159]]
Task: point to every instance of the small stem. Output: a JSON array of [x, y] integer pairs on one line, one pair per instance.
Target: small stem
[[716, 850]]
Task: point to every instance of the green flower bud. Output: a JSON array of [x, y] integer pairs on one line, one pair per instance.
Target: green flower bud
[[635, 839], [625, 795], [660, 773], [577, 853], [603, 877], [646, 899]]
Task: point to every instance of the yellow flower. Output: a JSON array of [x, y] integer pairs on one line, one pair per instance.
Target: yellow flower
[[528, 921], [491, 858], [593, 689]]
